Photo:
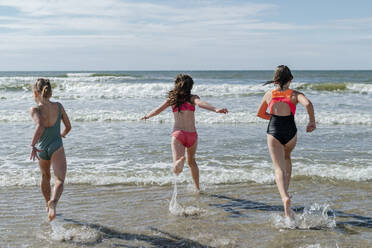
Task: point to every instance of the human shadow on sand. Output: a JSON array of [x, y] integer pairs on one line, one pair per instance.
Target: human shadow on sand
[[168, 240], [234, 205]]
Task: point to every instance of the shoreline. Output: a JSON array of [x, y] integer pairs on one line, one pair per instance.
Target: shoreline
[[223, 216]]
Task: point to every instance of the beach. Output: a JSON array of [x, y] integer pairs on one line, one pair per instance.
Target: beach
[[241, 215], [119, 183]]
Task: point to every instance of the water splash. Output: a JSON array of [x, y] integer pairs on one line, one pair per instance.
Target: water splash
[[314, 217], [177, 209], [61, 231]]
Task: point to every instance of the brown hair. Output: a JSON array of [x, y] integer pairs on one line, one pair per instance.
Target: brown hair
[[282, 75], [43, 87], [181, 91]]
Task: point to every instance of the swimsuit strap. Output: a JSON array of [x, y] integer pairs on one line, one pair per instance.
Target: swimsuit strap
[[59, 111], [184, 106]]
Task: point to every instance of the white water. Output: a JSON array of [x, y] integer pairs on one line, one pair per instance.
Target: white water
[[313, 217], [177, 209]]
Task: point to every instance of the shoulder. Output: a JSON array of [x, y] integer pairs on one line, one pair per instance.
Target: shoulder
[[34, 110], [59, 104], [193, 97], [296, 93], [268, 95]]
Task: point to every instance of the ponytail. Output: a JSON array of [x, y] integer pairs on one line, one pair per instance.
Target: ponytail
[[282, 76], [43, 87]]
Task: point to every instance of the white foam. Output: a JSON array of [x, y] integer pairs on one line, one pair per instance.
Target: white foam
[[239, 117], [62, 231], [177, 209], [79, 74], [313, 217]]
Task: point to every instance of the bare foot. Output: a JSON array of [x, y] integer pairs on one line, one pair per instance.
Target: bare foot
[[51, 210], [287, 208], [178, 167]]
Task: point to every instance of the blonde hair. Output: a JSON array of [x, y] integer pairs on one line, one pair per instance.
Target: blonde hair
[[43, 87]]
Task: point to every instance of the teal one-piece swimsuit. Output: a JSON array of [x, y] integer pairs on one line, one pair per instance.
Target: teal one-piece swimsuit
[[51, 139]]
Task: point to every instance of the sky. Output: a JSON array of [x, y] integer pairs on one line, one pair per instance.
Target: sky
[[185, 35]]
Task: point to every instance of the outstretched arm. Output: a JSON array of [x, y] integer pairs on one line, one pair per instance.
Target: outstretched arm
[[66, 122], [207, 106], [38, 132], [302, 99], [157, 111], [261, 112]]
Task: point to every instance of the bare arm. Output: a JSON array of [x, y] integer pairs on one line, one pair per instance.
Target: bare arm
[[38, 132], [302, 99], [203, 104], [261, 112], [66, 122], [157, 111]]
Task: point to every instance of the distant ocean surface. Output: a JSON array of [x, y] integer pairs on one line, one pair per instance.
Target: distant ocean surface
[[109, 145]]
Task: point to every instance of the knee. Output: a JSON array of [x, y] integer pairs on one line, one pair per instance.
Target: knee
[[46, 176], [59, 181], [287, 155], [192, 162], [279, 171]]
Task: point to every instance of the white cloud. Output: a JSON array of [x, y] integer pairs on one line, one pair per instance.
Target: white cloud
[[201, 32]]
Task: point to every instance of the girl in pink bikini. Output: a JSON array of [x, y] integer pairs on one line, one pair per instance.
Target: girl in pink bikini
[[184, 135]]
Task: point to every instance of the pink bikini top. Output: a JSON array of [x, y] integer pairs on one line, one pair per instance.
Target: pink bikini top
[[185, 106], [282, 96]]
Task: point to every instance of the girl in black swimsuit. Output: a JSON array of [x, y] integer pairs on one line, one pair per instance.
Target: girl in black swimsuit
[[282, 131]]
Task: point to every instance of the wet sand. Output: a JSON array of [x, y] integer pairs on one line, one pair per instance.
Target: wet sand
[[239, 215]]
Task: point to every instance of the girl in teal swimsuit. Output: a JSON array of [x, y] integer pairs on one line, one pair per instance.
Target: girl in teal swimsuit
[[46, 144]]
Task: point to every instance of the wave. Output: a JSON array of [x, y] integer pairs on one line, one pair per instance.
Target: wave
[[323, 87], [161, 174], [238, 117], [110, 75], [112, 86]]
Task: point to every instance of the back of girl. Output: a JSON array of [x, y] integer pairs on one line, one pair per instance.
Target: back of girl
[[184, 135], [282, 130], [47, 145]]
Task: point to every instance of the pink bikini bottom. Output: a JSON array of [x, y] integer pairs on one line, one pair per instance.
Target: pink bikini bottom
[[187, 139]]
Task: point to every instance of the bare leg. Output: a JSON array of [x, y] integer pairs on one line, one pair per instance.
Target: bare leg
[[192, 164], [45, 180], [277, 155], [59, 168], [288, 148], [178, 151]]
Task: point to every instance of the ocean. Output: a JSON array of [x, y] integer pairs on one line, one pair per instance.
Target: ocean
[[119, 181]]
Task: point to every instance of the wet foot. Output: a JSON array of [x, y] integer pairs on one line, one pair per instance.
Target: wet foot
[[287, 208], [178, 167], [51, 210]]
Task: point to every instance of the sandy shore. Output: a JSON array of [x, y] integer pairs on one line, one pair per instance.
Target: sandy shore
[[329, 214]]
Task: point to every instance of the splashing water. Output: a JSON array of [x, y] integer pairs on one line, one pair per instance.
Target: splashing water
[[72, 232], [313, 217], [177, 209]]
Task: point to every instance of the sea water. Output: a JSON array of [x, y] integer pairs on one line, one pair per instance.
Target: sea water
[[114, 157]]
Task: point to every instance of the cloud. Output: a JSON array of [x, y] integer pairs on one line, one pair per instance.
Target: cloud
[[202, 32]]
